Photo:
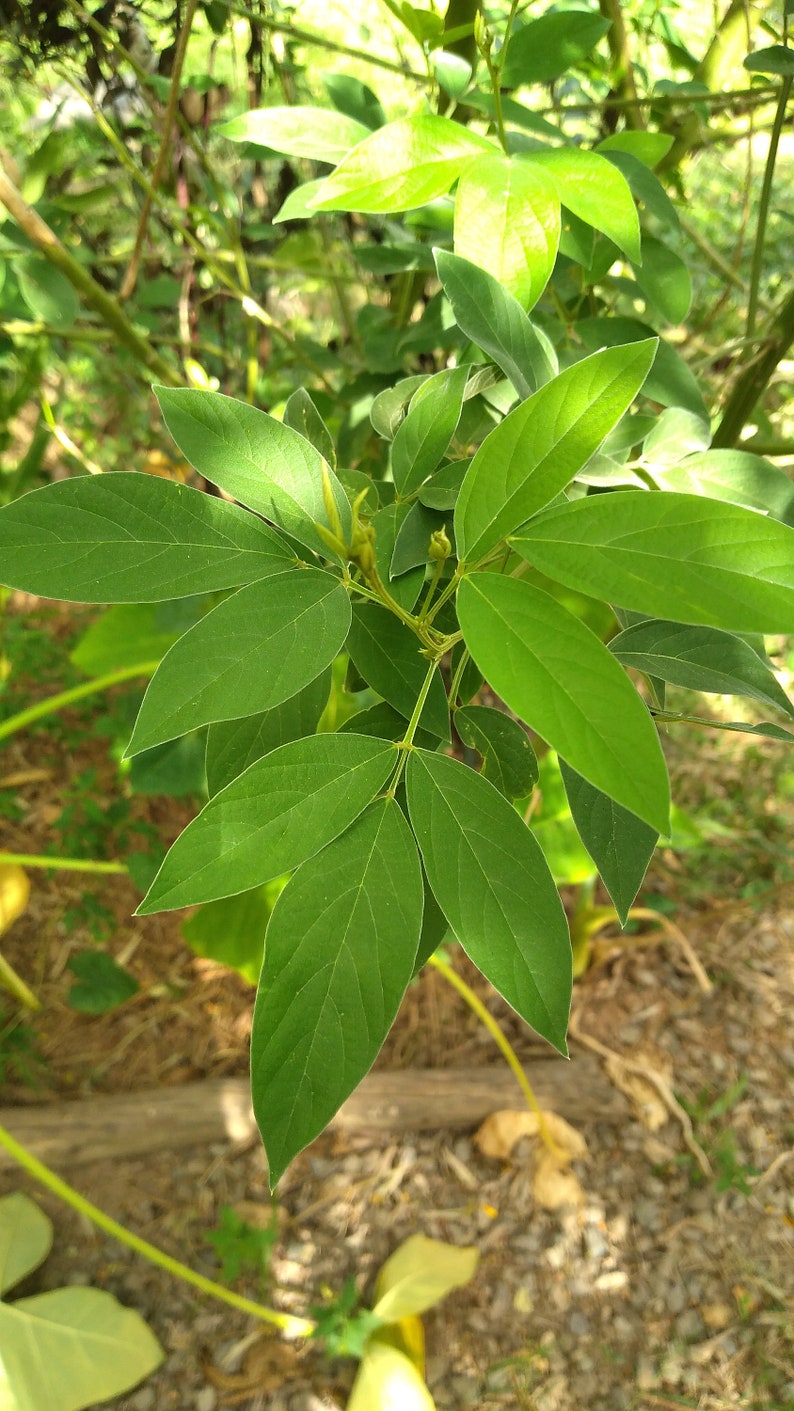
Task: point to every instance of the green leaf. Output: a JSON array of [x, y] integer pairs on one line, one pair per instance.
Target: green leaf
[[339, 954], [101, 983], [736, 476], [384, 723], [133, 633], [131, 538], [231, 930], [648, 147], [234, 744], [176, 768], [48, 294], [670, 381], [25, 1238], [665, 279], [419, 1274], [676, 434], [321, 134], [259, 461], [301, 415], [387, 524], [401, 166], [255, 650], [699, 659], [492, 882], [595, 191], [564, 683], [388, 655], [299, 205], [284, 808], [539, 448], [71, 1348], [777, 59], [507, 221], [670, 556], [508, 759], [412, 545], [646, 188], [424, 434], [620, 844], [547, 47], [496, 322], [349, 95], [389, 407], [441, 491]]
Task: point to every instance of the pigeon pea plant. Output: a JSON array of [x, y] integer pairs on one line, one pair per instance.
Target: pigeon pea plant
[[453, 572]]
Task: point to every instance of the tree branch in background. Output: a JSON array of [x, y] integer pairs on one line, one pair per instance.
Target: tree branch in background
[[754, 379], [622, 75], [97, 298], [162, 156]]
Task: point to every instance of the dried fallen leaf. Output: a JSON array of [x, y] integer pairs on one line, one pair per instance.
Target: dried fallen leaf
[[553, 1184]]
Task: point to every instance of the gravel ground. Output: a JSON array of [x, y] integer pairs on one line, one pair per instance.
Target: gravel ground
[[663, 1287]]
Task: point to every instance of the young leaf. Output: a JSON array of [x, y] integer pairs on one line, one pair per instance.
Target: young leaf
[[234, 744], [321, 134], [131, 538], [546, 47], [564, 683], [401, 166], [670, 381], [619, 843], [259, 461], [507, 221], [537, 450], [389, 657], [387, 524], [670, 556], [339, 954], [700, 659], [496, 322], [508, 759], [253, 651], [412, 545], [284, 808], [491, 880], [423, 436], [595, 191]]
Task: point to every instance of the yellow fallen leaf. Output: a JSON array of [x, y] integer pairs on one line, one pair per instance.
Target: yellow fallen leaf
[[553, 1185], [499, 1133], [14, 894]]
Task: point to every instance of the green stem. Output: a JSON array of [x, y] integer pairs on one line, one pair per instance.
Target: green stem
[[622, 74], [61, 864], [763, 205], [406, 744], [16, 985], [458, 677], [75, 693], [501, 1040], [291, 1326]]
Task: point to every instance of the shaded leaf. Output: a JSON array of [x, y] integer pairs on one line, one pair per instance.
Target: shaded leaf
[[427, 429], [231, 930], [491, 881], [339, 954], [234, 744], [545, 48], [25, 1238], [620, 844], [389, 657], [101, 984], [255, 650], [564, 683], [284, 808], [493, 319], [508, 759]]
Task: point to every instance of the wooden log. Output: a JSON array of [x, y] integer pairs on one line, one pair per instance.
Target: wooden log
[[193, 1114]]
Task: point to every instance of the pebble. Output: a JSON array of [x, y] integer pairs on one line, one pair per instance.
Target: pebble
[[207, 1399], [647, 1214], [143, 1400], [578, 1324]]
